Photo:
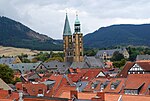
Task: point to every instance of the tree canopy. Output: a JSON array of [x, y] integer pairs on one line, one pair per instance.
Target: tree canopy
[[6, 73]]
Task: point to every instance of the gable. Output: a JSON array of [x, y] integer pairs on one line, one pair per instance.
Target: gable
[[136, 67], [41, 67], [101, 74]]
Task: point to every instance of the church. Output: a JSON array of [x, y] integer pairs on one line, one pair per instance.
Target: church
[[73, 42]]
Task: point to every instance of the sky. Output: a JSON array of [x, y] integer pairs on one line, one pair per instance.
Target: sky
[[48, 16]]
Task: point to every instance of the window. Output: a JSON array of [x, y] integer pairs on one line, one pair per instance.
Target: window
[[112, 87]]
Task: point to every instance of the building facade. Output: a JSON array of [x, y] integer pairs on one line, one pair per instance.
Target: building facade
[[73, 44]]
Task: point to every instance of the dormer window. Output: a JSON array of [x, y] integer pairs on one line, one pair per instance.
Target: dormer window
[[102, 87], [112, 87], [94, 84]]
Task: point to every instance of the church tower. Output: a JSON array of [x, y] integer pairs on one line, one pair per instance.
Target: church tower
[[77, 42], [67, 42]]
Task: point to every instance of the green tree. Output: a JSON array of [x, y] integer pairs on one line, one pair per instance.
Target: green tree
[[60, 59], [16, 80], [6, 73], [117, 56], [119, 64]]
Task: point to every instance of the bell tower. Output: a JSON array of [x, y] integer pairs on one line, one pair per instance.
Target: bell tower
[[77, 42], [67, 42]]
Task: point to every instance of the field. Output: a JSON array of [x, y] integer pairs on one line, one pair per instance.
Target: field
[[11, 51]]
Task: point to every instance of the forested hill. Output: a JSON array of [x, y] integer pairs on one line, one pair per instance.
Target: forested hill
[[15, 34], [115, 35]]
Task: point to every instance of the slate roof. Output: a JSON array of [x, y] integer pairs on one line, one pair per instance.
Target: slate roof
[[79, 65], [93, 62], [109, 52], [24, 67], [4, 86], [7, 60], [67, 30], [61, 67], [143, 57], [81, 85], [56, 64]]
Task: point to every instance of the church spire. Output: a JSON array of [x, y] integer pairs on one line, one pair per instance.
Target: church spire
[[77, 24], [67, 30]]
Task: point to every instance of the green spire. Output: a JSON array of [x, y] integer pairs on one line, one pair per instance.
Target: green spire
[[67, 30], [77, 20]]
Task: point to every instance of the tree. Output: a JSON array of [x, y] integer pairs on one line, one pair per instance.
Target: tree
[[119, 64], [60, 59], [117, 56], [6, 73]]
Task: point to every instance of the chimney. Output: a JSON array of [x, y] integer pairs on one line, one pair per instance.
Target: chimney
[[9, 92], [101, 95], [73, 94]]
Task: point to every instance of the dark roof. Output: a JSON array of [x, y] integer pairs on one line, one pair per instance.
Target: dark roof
[[110, 52], [24, 67], [79, 65], [143, 57], [81, 85], [55, 64], [93, 62], [7, 60]]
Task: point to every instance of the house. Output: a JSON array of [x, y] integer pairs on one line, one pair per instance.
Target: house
[[107, 54], [143, 58], [53, 66], [24, 67], [12, 60], [135, 68], [137, 84], [112, 85]]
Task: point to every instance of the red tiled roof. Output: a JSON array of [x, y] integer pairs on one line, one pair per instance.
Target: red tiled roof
[[124, 71], [89, 88], [119, 87], [108, 97], [135, 80], [91, 74], [4, 95], [143, 65]]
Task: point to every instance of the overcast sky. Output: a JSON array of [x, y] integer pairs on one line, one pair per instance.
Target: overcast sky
[[48, 16]]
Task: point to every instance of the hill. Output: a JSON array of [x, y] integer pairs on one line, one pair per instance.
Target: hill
[[15, 34], [119, 35]]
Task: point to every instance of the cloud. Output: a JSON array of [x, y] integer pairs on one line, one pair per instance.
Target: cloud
[[47, 16]]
